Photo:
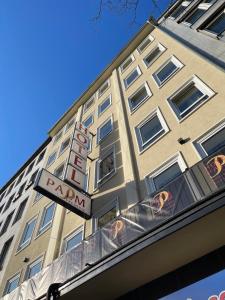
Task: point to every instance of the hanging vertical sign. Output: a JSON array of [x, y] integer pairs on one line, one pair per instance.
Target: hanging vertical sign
[[76, 165]]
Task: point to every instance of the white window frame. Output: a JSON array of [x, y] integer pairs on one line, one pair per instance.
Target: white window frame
[[68, 126], [56, 139], [165, 128], [85, 108], [99, 129], [60, 148], [49, 164], [122, 69], [149, 178], [176, 62], [24, 244], [162, 50], [197, 143], [200, 86], [32, 264], [62, 164], [10, 280], [183, 3], [201, 6], [125, 79], [100, 93], [92, 122], [100, 181], [110, 103], [41, 228], [105, 209], [149, 37], [149, 94], [213, 21], [70, 236]]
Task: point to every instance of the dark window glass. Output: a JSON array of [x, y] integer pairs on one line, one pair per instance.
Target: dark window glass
[[20, 211], [106, 166], [73, 241], [138, 97], [33, 269], [41, 156], [131, 77], [195, 16], [214, 143], [166, 176], [152, 56], [59, 171], [19, 179], [166, 71], [217, 26], [107, 217], [8, 203], [178, 11], [88, 121], [12, 284], [30, 168], [4, 251], [151, 130], [6, 224], [105, 129]]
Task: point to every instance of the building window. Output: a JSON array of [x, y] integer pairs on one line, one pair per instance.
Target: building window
[[147, 41], [139, 97], [40, 157], [2, 196], [19, 179], [12, 284], [167, 70], [6, 224], [47, 217], [73, 240], [179, 9], [88, 121], [212, 141], [160, 177], [104, 105], [126, 63], [9, 189], [30, 168], [151, 129], [88, 104], [8, 203], [27, 234], [20, 211], [132, 77], [217, 25], [189, 97], [69, 124], [51, 159], [20, 191], [1, 207], [59, 171], [38, 196], [198, 12], [34, 268], [33, 177], [4, 251], [105, 167], [153, 55], [58, 137], [106, 214], [103, 88], [65, 144], [104, 130]]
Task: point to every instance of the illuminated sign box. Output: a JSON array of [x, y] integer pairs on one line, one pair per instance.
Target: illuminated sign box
[[62, 193]]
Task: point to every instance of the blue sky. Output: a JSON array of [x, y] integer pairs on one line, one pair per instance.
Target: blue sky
[[40, 73]]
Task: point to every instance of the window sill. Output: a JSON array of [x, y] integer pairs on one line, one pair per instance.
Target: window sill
[[151, 144], [106, 179]]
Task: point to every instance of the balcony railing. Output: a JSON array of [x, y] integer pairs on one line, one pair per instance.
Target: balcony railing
[[178, 196]]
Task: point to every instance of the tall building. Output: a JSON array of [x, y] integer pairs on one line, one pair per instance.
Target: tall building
[[155, 173]]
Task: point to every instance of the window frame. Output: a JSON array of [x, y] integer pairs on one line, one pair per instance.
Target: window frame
[[60, 148], [197, 143], [201, 86], [11, 279], [100, 181], [149, 178], [179, 65], [100, 93], [85, 106], [104, 210], [162, 50], [98, 139], [151, 38], [137, 68], [149, 95], [183, 3], [103, 101], [122, 70], [32, 264], [70, 236], [42, 229], [26, 243], [56, 138], [55, 154], [69, 125], [63, 164], [211, 21], [165, 128], [85, 120], [20, 211]]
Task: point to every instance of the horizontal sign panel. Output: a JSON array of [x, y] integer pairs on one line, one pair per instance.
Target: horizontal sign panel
[[58, 191], [74, 177]]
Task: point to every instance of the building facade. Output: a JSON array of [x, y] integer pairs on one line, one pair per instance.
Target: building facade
[[155, 173]]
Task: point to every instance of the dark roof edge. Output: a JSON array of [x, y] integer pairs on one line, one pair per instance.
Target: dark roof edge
[[43, 145]]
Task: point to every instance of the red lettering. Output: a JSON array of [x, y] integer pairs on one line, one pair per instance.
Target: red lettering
[[82, 128], [50, 182], [73, 177], [59, 188], [69, 194], [80, 202], [82, 139], [78, 161], [80, 149]]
